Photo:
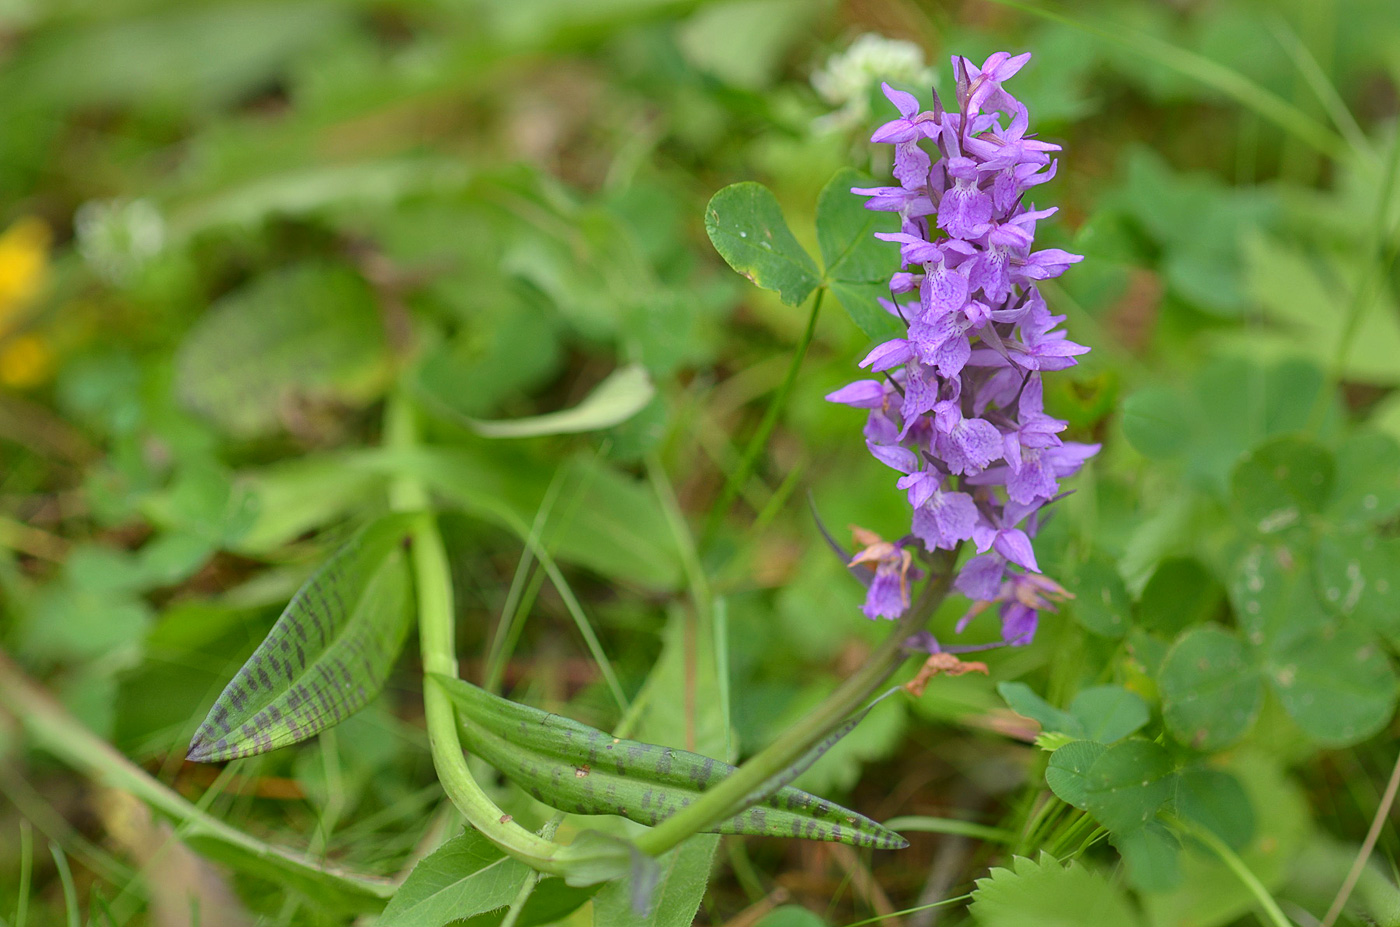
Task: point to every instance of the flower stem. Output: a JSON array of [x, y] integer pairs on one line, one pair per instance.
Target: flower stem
[[721, 802], [433, 584], [759, 441]]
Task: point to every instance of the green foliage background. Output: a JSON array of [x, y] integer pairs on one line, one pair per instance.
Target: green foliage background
[[265, 216]]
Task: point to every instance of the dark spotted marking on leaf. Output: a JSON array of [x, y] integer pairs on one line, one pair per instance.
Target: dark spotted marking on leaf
[[556, 760], [300, 682]]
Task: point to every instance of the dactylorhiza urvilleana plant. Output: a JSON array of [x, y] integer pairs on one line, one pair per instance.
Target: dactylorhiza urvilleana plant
[[959, 410], [958, 413]]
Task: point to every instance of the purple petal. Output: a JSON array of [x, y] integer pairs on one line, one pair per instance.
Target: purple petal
[[862, 394], [1018, 623], [894, 456], [906, 103], [885, 598], [921, 486], [887, 355], [1015, 546], [981, 577]]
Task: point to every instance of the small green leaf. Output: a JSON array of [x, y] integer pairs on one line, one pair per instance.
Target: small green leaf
[[1156, 422], [1109, 713], [1273, 596], [862, 303], [1127, 784], [1180, 595], [1046, 893], [1153, 857], [622, 395], [464, 877], [1101, 603], [1211, 692], [1337, 684], [1358, 575], [746, 226], [1025, 702], [582, 770], [858, 265], [1367, 487], [1216, 800], [1281, 482], [325, 658], [1068, 771]]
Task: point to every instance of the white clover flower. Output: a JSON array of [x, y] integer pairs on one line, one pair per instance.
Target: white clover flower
[[850, 77], [116, 237]]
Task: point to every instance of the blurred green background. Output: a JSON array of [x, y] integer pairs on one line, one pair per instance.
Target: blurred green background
[[228, 228]]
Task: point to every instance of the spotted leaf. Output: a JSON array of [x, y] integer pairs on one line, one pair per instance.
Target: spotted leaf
[[583, 770], [324, 659]]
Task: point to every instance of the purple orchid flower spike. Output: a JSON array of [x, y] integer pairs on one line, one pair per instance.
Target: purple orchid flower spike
[[959, 413]]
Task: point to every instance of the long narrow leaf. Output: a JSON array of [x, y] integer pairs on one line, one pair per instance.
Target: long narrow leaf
[[583, 770], [325, 658], [622, 395]]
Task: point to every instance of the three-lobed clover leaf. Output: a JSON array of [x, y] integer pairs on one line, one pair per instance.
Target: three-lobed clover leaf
[[747, 227]]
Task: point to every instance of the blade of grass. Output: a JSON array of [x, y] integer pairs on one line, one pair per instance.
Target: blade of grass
[[930, 825], [513, 522], [585, 627], [49, 822], [1369, 844], [61, 735], [1322, 87], [1384, 245], [495, 675], [494, 661], [527, 888], [1217, 76], [26, 871], [1232, 861], [721, 637], [70, 891], [128, 901], [923, 907], [701, 619], [765, 427], [506, 632]]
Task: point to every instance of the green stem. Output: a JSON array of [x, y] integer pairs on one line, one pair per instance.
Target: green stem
[[433, 583], [720, 802], [1232, 861], [527, 888], [63, 736], [759, 441]]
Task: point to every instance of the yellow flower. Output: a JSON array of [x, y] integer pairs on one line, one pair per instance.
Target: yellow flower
[[24, 248], [25, 360]]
